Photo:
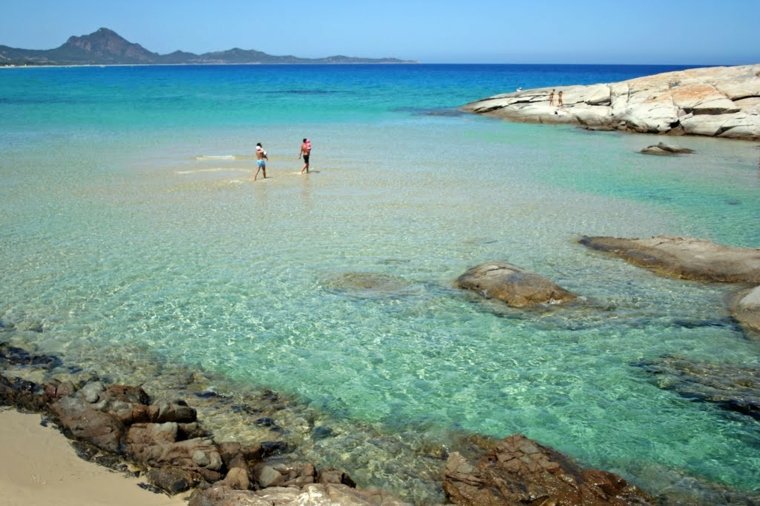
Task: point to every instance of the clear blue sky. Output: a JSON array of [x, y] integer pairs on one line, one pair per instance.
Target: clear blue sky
[[457, 31]]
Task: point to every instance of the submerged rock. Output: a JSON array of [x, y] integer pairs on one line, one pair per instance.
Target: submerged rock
[[684, 258], [665, 149], [17, 356], [369, 285], [513, 285], [518, 470], [745, 307], [730, 386], [714, 101]]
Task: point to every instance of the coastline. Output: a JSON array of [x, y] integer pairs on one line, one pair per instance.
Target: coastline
[[40, 468], [51, 330], [118, 426]]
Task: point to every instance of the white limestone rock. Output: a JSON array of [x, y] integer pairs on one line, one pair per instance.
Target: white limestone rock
[[712, 101]]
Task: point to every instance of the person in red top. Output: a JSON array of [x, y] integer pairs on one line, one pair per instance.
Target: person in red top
[[305, 153]]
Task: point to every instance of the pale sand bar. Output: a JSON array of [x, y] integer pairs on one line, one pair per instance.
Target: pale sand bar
[[38, 467]]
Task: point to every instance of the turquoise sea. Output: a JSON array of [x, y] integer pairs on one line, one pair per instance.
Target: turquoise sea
[[132, 239]]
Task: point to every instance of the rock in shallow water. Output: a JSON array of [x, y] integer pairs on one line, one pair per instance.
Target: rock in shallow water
[[18, 356], [730, 386], [369, 285], [665, 149], [513, 285], [517, 470], [684, 257]]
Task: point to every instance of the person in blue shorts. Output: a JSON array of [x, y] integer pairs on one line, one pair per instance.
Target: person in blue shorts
[[261, 161]]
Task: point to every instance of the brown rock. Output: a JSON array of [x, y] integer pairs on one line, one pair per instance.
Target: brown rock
[[684, 258], [297, 474], [171, 480], [56, 389], [140, 435], [266, 476], [334, 476], [125, 393], [22, 394], [517, 470], [220, 495], [83, 422], [228, 450], [178, 412], [237, 479], [516, 287], [193, 454]]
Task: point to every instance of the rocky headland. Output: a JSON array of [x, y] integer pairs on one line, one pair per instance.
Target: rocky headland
[[712, 101]]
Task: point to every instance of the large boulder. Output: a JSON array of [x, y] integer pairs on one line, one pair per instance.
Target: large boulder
[[684, 258], [77, 417], [518, 470], [714, 101], [513, 285], [745, 306]]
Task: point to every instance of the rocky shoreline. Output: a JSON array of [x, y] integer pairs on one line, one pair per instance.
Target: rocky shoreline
[[121, 427], [715, 102]]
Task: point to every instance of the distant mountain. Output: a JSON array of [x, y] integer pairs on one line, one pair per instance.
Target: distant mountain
[[106, 47]]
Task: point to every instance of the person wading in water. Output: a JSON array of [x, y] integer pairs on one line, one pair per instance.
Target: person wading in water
[[305, 154]]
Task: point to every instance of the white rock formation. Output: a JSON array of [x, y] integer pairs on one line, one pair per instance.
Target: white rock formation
[[712, 101]]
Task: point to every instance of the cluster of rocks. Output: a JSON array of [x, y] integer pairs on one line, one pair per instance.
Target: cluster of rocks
[[119, 426], [675, 257], [729, 387], [713, 101]]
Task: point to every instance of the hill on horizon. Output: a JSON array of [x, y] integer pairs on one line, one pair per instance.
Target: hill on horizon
[[106, 47]]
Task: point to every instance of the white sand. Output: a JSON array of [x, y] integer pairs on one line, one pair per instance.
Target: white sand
[[38, 467]]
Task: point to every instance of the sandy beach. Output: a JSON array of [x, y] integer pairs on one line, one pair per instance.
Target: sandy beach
[[39, 467]]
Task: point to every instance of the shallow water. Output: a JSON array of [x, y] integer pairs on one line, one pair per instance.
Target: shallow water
[[132, 233]]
